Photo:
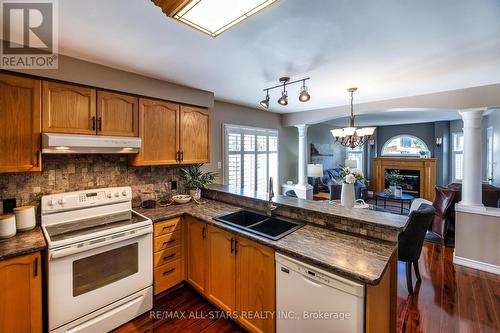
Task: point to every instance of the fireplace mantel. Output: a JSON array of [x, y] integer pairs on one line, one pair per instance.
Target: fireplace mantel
[[426, 166]]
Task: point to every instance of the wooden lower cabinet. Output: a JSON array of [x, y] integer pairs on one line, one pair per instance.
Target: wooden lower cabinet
[[255, 285], [168, 265], [196, 253], [21, 295], [221, 269]]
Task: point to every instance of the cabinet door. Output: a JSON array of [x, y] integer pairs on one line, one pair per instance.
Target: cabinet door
[[68, 109], [158, 131], [221, 268], [194, 135], [255, 284], [21, 296], [196, 253], [117, 114], [20, 124]]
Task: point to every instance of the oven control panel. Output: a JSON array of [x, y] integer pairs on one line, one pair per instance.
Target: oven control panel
[[86, 198]]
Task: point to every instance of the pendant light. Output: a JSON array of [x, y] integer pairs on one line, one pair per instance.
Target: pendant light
[[351, 136]]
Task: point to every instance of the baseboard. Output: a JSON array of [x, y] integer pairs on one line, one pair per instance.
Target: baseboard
[[476, 264]]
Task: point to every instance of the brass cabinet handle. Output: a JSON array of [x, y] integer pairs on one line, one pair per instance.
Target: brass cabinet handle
[[182, 155], [232, 245], [93, 123], [235, 246], [204, 232], [169, 256], [171, 270], [99, 124], [168, 227], [177, 156]]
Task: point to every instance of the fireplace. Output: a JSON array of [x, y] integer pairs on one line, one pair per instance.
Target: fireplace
[[410, 183], [424, 168]]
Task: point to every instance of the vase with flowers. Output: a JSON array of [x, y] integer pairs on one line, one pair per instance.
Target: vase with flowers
[[349, 177], [394, 178]]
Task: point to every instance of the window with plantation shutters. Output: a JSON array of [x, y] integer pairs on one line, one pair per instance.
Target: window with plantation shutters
[[458, 156], [250, 157]]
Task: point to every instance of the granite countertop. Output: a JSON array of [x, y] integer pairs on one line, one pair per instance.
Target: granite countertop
[[383, 219], [357, 258], [22, 243]]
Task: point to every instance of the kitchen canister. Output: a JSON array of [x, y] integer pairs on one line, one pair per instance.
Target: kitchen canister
[[25, 218], [7, 225]]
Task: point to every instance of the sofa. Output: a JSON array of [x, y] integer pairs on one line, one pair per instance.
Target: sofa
[[331, 184]]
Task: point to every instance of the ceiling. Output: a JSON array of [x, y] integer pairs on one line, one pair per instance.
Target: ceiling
[[397, 117], [387, 48]]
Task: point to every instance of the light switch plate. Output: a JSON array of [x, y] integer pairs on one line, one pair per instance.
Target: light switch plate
[[219, 165]]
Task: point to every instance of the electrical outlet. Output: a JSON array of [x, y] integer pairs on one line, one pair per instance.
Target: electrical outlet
[[173, 185], [219, 165]]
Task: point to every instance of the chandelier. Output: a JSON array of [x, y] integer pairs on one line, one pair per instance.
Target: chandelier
[[351, 136]]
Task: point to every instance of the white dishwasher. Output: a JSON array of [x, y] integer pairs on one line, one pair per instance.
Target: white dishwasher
[[309, 299]]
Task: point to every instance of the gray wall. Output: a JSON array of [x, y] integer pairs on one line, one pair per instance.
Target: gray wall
[[88, 73], [424, 131], [320, 133], [227, 113], [442, 152]]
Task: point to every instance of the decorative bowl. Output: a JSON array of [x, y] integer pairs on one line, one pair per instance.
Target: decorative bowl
[[181, 198]]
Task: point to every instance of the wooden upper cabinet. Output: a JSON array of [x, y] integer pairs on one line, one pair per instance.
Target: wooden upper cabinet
[[221, 269], [255, 284], [158, 130], [196, 252], [117, 114], [20, 110], [21, 296], [68, 109], [194, 135]]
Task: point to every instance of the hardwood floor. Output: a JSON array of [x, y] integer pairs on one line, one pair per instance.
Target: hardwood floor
[[449, 299], [181, 310]]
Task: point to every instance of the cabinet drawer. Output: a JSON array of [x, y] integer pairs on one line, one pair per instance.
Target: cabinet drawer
[[167, 276], [164, 227], [166, 241], [167, 255]]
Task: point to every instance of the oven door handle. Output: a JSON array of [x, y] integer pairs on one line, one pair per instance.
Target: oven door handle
[[99, 242]]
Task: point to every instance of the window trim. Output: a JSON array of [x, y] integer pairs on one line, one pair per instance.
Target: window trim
[[403, 136], [241, 129], [453, 158]]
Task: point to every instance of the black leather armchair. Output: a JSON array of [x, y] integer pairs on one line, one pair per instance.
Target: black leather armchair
[[411, 240]]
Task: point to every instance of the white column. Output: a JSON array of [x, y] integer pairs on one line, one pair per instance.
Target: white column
[[472, 167], [302, 189]]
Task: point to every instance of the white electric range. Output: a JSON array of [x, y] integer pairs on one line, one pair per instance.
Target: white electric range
[[100, 269]]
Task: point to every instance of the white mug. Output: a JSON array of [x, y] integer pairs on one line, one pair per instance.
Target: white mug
[[7, 225], [25, 217]]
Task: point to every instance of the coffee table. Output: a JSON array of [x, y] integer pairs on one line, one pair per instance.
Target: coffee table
[[403, 198]]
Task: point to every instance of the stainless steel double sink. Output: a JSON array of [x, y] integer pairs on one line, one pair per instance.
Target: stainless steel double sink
[[259, 224]]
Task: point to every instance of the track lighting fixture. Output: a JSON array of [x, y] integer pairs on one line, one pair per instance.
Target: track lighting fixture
[[265, 102], [283, 100], [304, 95]]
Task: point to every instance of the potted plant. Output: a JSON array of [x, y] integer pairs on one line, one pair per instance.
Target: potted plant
[[349, 177], [394, 178], [423, 153], [195, 180]]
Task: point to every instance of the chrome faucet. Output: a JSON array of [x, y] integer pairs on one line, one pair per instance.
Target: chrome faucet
[[270, 207]]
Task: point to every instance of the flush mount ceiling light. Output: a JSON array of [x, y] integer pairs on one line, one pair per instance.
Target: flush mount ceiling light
[[351, 136], [212, 16], [283, 100]]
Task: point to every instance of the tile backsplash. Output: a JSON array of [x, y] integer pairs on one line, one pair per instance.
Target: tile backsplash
[[65, 173]]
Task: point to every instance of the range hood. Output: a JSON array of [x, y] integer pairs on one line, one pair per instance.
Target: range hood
[[55, 143]]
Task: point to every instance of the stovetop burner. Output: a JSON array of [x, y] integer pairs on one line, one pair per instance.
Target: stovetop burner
[[63, 231]]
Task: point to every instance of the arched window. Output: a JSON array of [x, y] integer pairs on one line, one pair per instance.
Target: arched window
[[404, 145]]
